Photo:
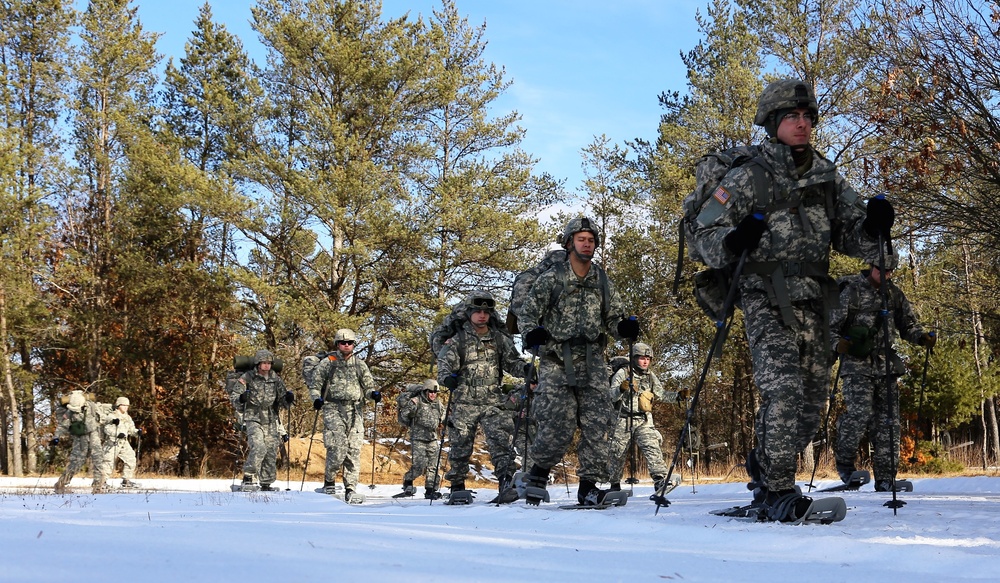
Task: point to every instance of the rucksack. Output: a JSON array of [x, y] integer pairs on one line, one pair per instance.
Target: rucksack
[[712, 285], [309, 364], [616, 364], [405, 395], [523, 282]]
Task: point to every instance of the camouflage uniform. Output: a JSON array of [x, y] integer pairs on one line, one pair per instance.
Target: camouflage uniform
[[342, 382], [785, 292], [86, 416], [647, 437], [265, 397], [479, 363], [864, 377], [575, 393], [117, 446], [425, 416], [508, 410]]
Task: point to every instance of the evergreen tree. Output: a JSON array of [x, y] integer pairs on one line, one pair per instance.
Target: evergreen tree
[[34, 40]]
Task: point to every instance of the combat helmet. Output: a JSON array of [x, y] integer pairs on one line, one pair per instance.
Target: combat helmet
[[480, 299], [781, 96], [577, 225], [642, 349], [429, 386], [345, 334], [76, 401], [262, 356], [121, 401], [891, 261]]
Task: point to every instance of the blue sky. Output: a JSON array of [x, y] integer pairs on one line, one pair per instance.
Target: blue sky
[[579, 68]]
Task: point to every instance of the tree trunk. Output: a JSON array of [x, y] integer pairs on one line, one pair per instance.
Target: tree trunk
[[990, 436], [16, 466]]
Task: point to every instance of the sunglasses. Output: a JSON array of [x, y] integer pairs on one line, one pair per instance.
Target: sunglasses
[[345, 342]]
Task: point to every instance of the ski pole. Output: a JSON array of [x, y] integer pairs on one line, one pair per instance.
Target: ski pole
[[630, 423], [826, 420], [312, 435], [920, 403], [447, 420], [288, 453], [521, 421], [722, 327], [892, 396], [374, 436]]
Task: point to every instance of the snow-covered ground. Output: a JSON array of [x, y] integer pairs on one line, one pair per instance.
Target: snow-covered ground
[[197, 530]]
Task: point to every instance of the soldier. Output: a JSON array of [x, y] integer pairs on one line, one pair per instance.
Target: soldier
[[118, 427], [471, 364], [424, 413], [786, 292], [858, 336], [82, 418], [633, 395], [263, 395], [340, 382], [579, 307]]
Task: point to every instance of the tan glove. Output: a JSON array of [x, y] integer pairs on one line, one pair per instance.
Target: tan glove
[[625, 386], [646, 401]]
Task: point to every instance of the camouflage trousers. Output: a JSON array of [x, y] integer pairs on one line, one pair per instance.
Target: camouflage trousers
[[522, 436], [119, 449], [867, 410], [262, 454], [647, 440], [424, 461], [343, 433], [85, 448], [791, 368], [465, 418], [559, 409]]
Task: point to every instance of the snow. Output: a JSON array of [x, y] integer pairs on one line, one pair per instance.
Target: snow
[[198, 530]]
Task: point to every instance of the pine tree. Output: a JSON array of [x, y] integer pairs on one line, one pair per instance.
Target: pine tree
[[33, 50]]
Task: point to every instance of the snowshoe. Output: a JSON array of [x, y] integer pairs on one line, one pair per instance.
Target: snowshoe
[[126, 483], [507, 492], [245, 487], [408, 492], [854, 481], [791, 506], [352, 497], [887, 485], [737, 511], [460, 498], [431, 494]]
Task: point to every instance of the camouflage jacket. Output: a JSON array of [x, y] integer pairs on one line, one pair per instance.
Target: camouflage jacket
[[424, 415], [125, 425], [479, 362], [860, 305], [642, 381], [803, 233], [264, 396], [340, 379], [577, 314]]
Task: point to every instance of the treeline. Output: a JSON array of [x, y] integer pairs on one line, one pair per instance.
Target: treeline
[[154, 226]]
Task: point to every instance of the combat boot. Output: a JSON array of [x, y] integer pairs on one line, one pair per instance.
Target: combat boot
[[61, 485], [534, 486]]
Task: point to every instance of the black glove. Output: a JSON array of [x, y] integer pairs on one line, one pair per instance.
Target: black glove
[[629, 328], [450, 381], [289, 397], [318, 404], [536, 337], [376, 396], [880, 218], [242, 398], [746, 236], [115, 421], [121, 436], [928, 340], [55, 441], [284, 438], [138, 430]]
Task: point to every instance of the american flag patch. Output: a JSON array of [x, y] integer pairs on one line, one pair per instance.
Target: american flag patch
[[721, 195]]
